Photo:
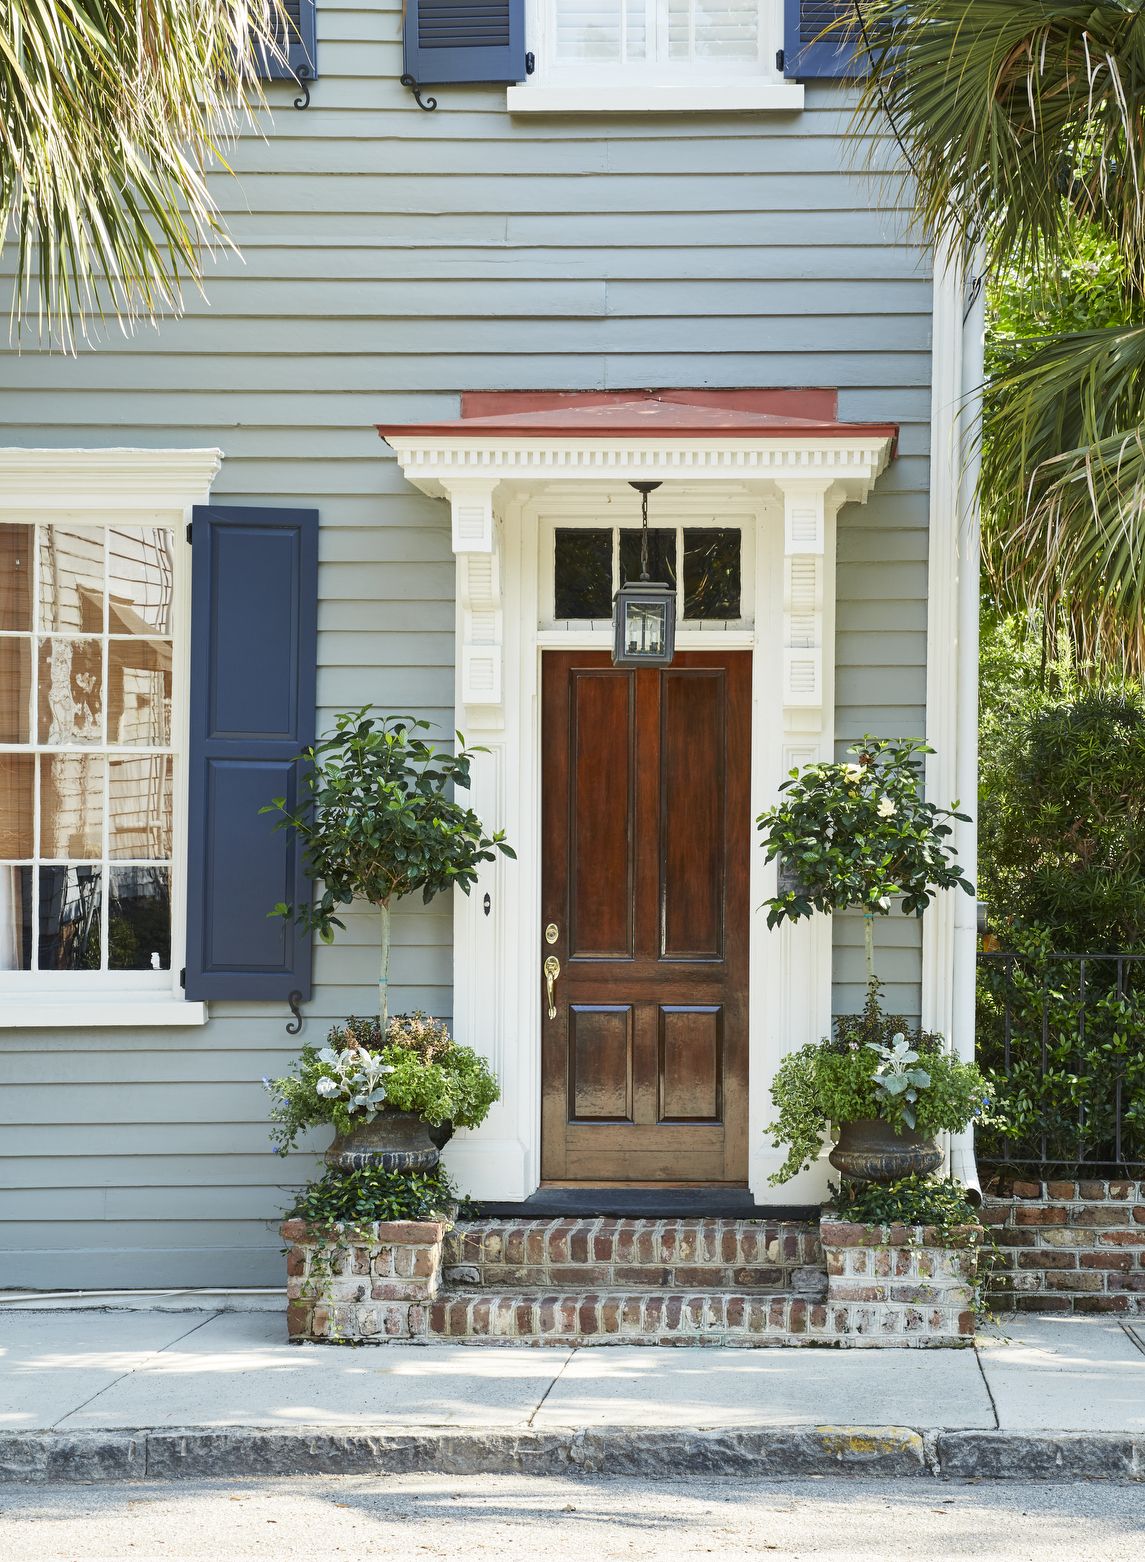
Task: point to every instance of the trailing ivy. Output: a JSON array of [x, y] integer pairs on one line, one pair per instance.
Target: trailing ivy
[[916, 1200], [358, 1198]]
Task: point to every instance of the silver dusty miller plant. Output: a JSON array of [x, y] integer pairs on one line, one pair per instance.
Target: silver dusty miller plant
[[896, 1075]]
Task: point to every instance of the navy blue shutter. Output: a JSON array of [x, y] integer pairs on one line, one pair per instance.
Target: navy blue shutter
[[300, 45], [254, 631], [465, 40], [806, 54]]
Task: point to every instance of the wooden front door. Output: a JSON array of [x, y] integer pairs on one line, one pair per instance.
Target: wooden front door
[[646, 848]]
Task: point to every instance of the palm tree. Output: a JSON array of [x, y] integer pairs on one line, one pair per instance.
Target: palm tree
[[1023, 123], [111, 113]]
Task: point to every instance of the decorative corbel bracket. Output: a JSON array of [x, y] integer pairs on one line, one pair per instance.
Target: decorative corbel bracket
[[807, 507], [481, 620]]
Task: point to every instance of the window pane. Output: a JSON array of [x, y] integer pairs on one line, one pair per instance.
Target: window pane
[[589, 29], [712, 573], [139, 920], [661, 554], [15, 918], [15, 577], [140, 583], [713, 29], [71, 691], [139, 698], [140, 803], [583, 583], [69, 919], [71, 806], [17, 778], [71, 579], [15, 691]]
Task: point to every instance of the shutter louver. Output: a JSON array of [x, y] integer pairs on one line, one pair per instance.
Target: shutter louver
[[254, 606], [465, 40], [807, 53], [300, 45]]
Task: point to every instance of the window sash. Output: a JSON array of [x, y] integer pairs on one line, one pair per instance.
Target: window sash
[[34, 982], [658, 39]]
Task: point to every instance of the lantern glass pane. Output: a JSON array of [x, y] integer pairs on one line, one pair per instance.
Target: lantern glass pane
[[712, 572], [582, 583], [645, 627]]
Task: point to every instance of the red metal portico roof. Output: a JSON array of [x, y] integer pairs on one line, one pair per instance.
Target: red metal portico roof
[[690, 414]]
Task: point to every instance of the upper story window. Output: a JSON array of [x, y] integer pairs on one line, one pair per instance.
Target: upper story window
[[622, 56], [89, 621], [662, 38]]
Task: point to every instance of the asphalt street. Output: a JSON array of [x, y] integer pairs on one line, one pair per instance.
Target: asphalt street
[[477, 1518]]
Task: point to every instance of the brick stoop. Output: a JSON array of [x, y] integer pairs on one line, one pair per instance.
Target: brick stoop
[[605, 1280]]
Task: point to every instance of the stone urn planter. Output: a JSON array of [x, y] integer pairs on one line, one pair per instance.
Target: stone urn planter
[[870, 1150], [393, 1141]]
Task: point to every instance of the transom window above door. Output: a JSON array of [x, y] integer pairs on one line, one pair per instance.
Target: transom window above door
[[704, 563]]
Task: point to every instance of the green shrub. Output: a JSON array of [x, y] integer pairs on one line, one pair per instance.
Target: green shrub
[[911, 1201], [358, 1198], [836, 1081]]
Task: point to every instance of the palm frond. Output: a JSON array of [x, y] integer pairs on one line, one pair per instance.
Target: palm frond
[[111, 114], [1064, 488], [1004, 107]]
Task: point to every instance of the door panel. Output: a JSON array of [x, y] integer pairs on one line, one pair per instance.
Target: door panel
[[646, 840]]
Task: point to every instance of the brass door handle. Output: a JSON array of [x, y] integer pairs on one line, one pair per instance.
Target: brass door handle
[[552, 971]]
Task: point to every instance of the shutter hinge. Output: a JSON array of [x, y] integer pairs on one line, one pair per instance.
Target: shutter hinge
[[780, 60], [183, 978], [530, 64], [188, 531]]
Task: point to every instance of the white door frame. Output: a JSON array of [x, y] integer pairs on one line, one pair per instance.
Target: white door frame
[[498, 945]]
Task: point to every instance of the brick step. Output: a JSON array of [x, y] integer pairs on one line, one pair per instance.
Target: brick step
[[631, 1317], [603, 1253]]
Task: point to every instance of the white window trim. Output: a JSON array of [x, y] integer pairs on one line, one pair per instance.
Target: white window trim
[[138, 487], [651, 87]]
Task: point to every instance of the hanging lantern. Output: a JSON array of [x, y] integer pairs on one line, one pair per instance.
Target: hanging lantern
[[644, 611]]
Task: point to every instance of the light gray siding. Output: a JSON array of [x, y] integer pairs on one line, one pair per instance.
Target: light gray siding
[[392, 259]]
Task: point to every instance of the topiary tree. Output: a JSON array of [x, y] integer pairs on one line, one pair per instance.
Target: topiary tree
[[860, 834], [378, 822]]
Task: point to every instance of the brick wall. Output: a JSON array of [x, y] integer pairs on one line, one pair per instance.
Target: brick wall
[[1067, 1246], [361, 1283]]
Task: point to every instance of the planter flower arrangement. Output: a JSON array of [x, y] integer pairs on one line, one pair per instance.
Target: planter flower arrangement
[[861, 835]]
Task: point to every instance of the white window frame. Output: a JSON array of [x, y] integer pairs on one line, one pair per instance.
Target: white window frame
[[102, 488], [652, 86]]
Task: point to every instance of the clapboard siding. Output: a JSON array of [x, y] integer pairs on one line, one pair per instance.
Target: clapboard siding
[[392, 259]]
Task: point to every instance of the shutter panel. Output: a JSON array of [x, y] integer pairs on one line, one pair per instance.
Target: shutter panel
[[806, 54], [254, 609], [300, 45], [465, 40]]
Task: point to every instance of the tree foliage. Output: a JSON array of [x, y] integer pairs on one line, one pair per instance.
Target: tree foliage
[[111, 114], [1023, 122]]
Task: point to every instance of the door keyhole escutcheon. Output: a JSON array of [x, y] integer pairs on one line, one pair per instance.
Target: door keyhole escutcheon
[[552, 933], [552, 971]]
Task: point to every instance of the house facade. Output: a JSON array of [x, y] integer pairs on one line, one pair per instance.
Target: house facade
[[388, 460]]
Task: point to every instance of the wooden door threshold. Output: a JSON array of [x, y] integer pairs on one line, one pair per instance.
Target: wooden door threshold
[[646, 1202]]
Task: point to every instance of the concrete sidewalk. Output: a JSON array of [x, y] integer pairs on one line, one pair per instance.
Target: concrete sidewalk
[[85, 1393]]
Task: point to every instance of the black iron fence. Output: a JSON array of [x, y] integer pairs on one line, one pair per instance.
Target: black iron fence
[[1062, 1038]]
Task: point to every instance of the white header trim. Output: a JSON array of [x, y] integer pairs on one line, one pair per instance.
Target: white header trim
[[105, 479]]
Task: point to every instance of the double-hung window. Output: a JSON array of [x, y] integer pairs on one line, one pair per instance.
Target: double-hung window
[[158, 659], [628, 55], [92, 712]]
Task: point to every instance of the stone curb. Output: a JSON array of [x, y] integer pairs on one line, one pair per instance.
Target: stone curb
[[887, 1451]]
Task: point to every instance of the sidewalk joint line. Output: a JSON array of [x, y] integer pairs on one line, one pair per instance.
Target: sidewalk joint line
[[179, 1338], [556, 1379], [989, 1390]]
